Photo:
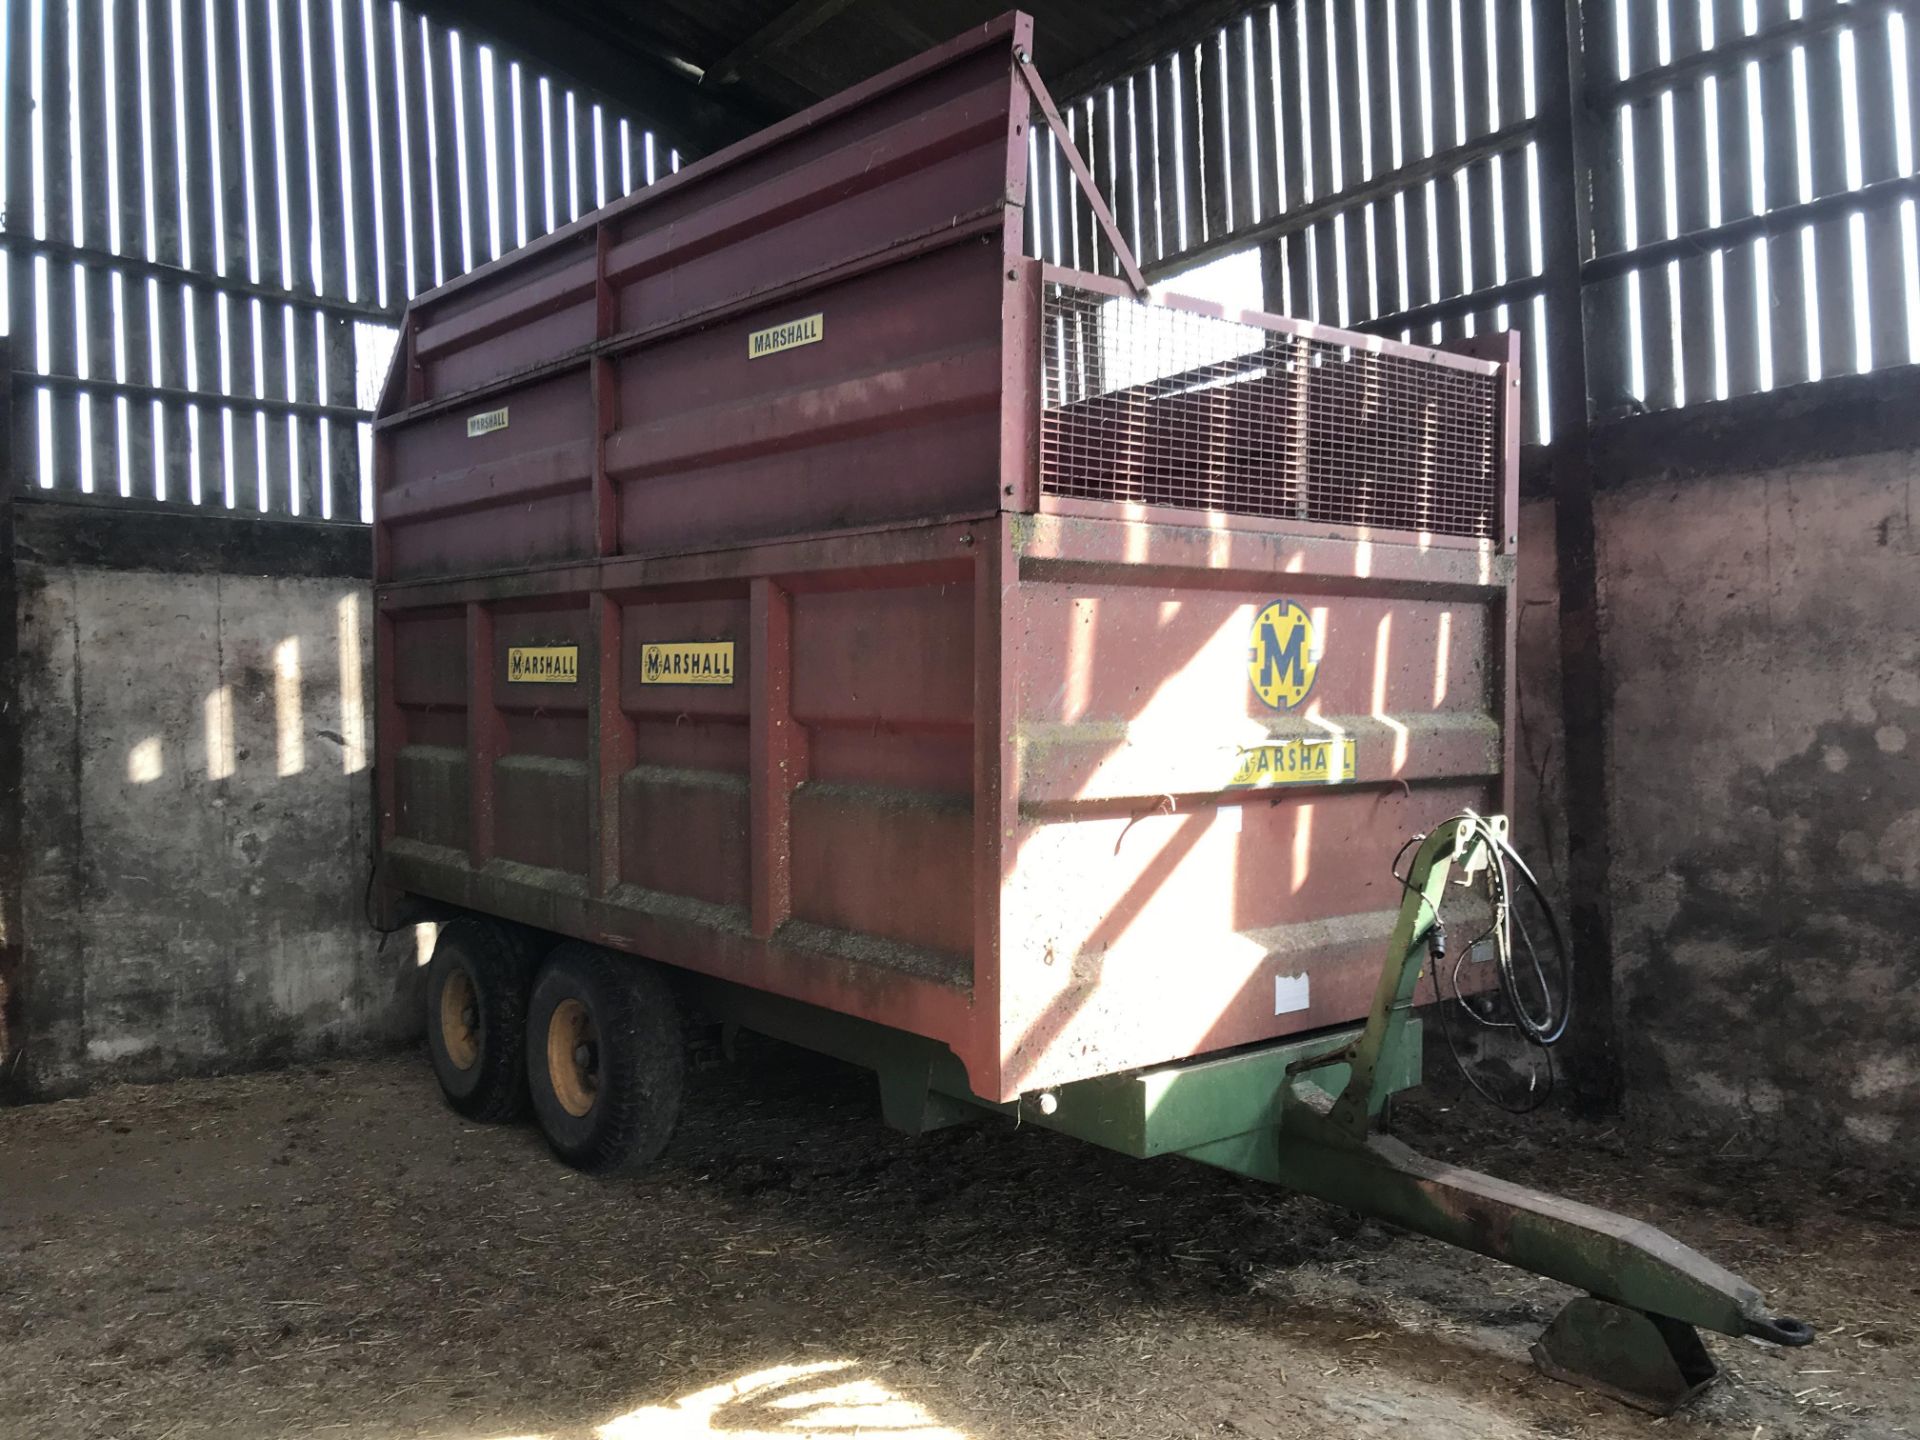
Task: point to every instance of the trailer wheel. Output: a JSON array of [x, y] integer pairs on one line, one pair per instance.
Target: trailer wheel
[[476, 1018], [606, 1060]]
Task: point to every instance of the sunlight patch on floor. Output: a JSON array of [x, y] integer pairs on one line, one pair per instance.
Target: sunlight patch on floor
[[828, 1400]]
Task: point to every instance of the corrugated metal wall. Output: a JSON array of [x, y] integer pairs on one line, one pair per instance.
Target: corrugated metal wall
[[215, 209], [1745, 200]]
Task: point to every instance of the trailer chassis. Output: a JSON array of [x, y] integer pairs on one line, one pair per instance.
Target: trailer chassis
[[1303, 1113]]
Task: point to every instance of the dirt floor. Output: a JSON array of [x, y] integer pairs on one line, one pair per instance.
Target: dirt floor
[[330, 1252]]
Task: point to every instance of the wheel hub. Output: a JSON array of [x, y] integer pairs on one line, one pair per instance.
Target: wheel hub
[[460, 1020], [573, 1057]]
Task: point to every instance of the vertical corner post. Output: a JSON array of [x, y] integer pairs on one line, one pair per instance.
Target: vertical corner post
[[485, 740], [996, 790], [610, 743], [605, 401], [389, 728], [778, 754], [1021, 397]]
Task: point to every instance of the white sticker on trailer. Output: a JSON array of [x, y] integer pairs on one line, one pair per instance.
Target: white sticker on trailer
[[486, 423], [1289, 994], [790, 335]]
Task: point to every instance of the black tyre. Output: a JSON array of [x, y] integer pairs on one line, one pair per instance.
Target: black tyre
[[606, 1060], [477, 1018]]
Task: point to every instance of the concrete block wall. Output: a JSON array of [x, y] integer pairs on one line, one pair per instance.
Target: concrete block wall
[[1758, 576], [189, 702], [1761, 626]]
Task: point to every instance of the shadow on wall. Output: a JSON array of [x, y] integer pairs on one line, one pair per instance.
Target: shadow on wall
[[146, 757], [198, 821]]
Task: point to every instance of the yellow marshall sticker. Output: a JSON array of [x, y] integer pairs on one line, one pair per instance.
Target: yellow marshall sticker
[[543, 664], [1296, 762], [486, 423], [1283, 654], [687, 662], [808, 330]]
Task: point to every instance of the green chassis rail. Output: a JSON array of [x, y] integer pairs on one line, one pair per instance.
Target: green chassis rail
[[1299, 1113]]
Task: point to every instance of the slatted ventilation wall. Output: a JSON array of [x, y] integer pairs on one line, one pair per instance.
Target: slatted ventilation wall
[[1385, 147], [1751, 167], [1756, 224], [217, 209]]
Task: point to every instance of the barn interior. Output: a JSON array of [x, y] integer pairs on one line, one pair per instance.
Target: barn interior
[[256, 251]]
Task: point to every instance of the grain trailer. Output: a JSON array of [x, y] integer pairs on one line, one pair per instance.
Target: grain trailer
[[800, 609]]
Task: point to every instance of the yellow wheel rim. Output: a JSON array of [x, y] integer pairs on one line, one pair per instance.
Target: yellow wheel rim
[[460, 1020], [573, 1057]]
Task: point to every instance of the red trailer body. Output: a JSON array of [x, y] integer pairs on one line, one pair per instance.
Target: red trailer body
[[782, 577]]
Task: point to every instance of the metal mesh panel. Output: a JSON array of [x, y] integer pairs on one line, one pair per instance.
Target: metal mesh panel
[[1156, 406]]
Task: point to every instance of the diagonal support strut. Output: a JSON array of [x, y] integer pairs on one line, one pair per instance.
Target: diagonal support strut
[[1122, 252]]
